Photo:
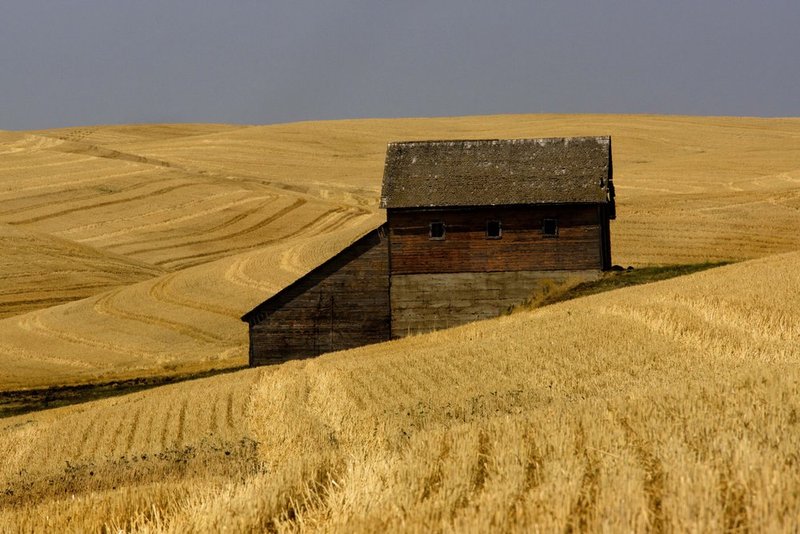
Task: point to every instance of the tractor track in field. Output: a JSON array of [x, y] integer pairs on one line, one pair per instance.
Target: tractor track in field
[[134, 428], [160, 291], [193, 215], [654, 477], [243, 215], [107, 203], [101, 178], [180, 433], [179, 262], [582, 512], [92, 195], [104, 305], [32, 322], [206, 174], [257, 226]]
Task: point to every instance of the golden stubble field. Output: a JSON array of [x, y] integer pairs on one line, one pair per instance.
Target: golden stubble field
[[671, 406], [668, 407], [173, 231]]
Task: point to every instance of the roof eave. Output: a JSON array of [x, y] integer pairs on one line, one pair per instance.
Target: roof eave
[[389, 206], [246, 317]]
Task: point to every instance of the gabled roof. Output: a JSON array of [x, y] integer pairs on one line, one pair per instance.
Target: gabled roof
[[496, 172]]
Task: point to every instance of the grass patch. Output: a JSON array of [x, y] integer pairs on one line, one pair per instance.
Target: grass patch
[[617, 280]]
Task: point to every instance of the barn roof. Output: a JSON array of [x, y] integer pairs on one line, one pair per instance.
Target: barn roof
[[493, 172]]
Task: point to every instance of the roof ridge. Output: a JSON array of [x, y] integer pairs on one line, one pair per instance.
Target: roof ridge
[[491, 172], [501, 140]]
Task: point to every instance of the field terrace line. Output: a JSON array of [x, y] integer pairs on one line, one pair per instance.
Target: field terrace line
[[80, 148]]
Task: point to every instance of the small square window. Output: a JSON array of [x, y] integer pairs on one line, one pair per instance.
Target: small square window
[[550, 227], [437, 230], [494, 230]]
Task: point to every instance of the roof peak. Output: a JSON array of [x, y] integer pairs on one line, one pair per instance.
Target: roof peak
[[602, 139]]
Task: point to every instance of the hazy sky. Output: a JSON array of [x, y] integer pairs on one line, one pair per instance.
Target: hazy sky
[[78, 62]]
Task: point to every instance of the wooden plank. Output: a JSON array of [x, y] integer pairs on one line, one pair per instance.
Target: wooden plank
[[522, 246], [340, 305], [426, 302]]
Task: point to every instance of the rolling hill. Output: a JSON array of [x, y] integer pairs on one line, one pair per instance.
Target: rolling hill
[[131, 251], [670, 406], [213, 219]]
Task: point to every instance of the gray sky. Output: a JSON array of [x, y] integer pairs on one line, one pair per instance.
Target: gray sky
[[80, 62]]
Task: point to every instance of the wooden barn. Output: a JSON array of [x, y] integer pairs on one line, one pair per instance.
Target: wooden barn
[[472, 228]]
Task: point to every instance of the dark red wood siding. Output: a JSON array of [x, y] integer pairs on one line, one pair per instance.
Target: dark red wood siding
[[580, 243], [342, 304]]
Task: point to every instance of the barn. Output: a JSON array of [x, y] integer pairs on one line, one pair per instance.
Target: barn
[[472, 228]]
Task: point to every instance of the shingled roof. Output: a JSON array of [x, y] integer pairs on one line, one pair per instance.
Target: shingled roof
[[496, 172]]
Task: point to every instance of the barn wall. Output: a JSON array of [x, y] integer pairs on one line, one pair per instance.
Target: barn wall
[[425, 302], [340, 305], [605, 232], [523, 246]]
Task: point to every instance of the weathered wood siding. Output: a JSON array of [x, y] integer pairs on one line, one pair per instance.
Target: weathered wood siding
[[523, 246], [344, 303], [605, 233], [425, 302]]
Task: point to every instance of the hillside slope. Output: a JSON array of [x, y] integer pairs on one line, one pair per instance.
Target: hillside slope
[[689, 188], [671, 406], [39, 270], [231, 214], [147, 209], [179, 322]]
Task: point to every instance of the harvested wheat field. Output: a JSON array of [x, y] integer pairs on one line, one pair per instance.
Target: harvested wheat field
[[182, 228], [131, 251], [671, 406]]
